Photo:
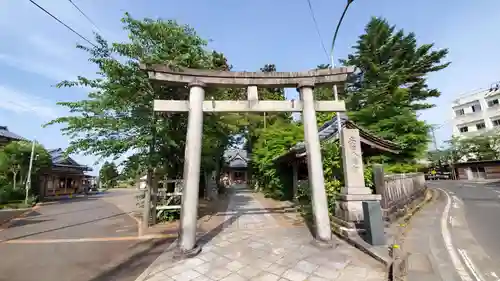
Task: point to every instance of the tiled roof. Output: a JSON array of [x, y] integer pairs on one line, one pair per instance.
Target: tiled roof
[[59, 159], [329, 131], [236, 158], [4, 132]]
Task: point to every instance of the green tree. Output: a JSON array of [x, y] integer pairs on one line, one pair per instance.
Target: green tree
[[15, 159], [476, 148], [390, 87], [108, 174], [117, 117]]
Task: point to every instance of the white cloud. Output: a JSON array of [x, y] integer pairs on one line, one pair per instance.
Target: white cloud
[[22, 103], [43, 68]]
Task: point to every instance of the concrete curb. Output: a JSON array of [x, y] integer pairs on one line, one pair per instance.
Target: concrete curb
[[378, 253]]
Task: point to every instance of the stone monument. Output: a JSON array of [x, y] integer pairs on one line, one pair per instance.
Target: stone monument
[[349, 210]]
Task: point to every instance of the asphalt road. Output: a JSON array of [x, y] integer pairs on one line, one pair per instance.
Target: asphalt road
[[474, 226], [84, 239]]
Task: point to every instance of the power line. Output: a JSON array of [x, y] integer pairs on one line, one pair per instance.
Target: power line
[[61, 22], [85, 15], [316, 26]]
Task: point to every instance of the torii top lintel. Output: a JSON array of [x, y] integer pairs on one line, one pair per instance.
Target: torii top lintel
[[236, 79]]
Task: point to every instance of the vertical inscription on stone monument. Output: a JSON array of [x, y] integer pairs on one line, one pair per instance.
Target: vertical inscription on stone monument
[[352, 160]]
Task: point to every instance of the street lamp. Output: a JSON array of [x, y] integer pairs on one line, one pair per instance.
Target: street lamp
[[332, 64]]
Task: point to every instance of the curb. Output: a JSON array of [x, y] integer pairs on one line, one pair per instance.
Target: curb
[[399, 267], [387, 255], [8, 222]]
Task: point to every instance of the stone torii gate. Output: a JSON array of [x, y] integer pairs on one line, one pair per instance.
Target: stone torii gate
[[198, 80]]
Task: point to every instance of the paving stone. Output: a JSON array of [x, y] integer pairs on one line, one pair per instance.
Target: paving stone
[[266, 276], [262, 264], [316, 278], [276, 269], [326, 272], [233, 277], [295, 275], [201, 278], [208, 256], [249, 271], [186, 275], [217, 273], [234, 266], [305, 266], [267, 251]]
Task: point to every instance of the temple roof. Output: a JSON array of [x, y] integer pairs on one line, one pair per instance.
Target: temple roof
[[4, 132], [329, 131], [61, 160], [236, 158]]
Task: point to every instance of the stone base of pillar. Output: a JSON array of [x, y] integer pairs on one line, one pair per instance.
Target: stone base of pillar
[[349, 206], [185, 254], [324, 244]]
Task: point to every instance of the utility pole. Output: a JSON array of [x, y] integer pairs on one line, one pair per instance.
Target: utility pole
[[332, 64], [28, 179], [433, 128]]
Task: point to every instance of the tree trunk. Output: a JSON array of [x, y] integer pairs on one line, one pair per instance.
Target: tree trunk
[[14, 180]]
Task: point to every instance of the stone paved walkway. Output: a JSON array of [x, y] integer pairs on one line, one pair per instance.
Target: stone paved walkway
[[252, 245]]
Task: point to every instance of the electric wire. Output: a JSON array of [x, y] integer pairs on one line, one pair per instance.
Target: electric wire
[[316, 26], [85, 15], [64, 24]]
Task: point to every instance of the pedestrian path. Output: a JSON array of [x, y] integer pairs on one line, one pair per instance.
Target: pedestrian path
[[252, 245]]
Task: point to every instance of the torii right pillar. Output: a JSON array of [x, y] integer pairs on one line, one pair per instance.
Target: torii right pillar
[[349, 207]]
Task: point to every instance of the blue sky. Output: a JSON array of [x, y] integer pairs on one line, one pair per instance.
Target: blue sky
[[36, 52]]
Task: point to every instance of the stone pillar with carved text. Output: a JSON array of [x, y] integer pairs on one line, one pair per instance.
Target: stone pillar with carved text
[[354, 192]]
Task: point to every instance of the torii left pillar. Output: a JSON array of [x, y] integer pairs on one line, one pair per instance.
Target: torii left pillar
[[192, 162]]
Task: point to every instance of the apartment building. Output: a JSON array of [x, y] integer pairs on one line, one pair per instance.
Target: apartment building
[[477, 112]]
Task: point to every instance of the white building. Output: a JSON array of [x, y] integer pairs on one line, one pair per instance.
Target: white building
[[476, 112]]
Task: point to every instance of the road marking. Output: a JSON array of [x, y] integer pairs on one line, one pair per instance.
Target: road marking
[[96, 239], [494, 275], [448, 243], [454, 222], [470, 265]]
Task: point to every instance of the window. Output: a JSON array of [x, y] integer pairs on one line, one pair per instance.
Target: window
[[463, 129], [476, 108], [459, 112], [493, 103], [480, 126], [496, 122]]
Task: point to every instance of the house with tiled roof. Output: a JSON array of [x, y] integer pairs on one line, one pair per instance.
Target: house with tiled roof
[[235, 165], [66, 176], [7, 136]]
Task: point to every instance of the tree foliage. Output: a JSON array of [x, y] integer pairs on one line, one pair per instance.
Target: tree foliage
[[390, 86], [117, 116], [108, 174], [475, 148], [14, 167]]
